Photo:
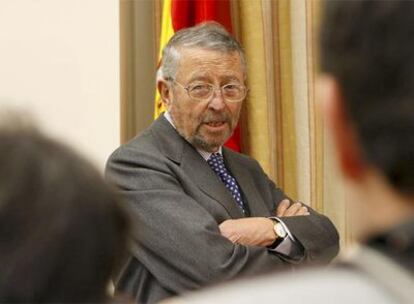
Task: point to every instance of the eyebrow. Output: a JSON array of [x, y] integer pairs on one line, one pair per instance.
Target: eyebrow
[[231, 77], [206, 77], [197, 77]]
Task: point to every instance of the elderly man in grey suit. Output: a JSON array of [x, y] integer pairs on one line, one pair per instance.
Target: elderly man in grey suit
[[206, 214], [367, 61]]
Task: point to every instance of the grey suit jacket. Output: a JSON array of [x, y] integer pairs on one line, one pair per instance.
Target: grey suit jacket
[[177, 203]]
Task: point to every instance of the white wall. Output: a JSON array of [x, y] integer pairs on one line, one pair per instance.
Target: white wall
[[59, 59]]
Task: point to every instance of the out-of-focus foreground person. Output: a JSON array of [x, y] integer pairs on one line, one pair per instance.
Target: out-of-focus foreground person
[[62, 229], [367, 86]]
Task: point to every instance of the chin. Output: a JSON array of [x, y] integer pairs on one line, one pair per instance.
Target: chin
[[216, 142], [207, 145], [210, 141]]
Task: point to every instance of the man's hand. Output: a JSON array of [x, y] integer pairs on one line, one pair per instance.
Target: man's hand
[[296, 209], [253, 231], [258, 231]]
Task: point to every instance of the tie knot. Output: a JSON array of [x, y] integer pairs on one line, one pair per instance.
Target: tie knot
[[216, 162], [216, 158]]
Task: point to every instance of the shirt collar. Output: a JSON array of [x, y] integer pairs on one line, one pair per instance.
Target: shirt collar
[[204, 154]]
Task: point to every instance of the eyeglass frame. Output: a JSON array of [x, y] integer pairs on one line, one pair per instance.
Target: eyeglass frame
[[215, 88]]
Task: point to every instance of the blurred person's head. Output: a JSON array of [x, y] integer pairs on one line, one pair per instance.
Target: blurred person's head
[[201, 80], [367, 61], [62, 229]]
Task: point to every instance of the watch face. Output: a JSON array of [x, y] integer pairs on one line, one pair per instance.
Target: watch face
[[280, 231]]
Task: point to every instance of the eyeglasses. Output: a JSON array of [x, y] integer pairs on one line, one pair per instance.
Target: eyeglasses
[[204, 91]]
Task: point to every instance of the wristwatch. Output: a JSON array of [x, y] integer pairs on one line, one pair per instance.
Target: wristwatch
[[280, 232]]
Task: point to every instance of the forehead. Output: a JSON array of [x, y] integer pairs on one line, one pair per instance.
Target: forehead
[[197, 62]]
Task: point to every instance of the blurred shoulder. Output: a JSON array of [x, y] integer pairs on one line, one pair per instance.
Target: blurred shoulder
[[312, 286]]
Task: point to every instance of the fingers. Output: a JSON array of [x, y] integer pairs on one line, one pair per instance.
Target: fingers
[[283, 206], [303, 211], [226, 229], [291, 211], [234, 238], [297, 209]]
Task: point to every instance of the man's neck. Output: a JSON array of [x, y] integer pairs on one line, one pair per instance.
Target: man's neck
[[376, 207]]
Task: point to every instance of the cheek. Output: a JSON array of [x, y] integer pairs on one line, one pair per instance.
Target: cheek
[[235, 109], [197, 112], [190, 114]]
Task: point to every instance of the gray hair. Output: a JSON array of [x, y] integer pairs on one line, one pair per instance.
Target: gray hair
[[207, 35]]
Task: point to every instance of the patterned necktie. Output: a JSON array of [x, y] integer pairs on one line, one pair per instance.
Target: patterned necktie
[[216, 163]]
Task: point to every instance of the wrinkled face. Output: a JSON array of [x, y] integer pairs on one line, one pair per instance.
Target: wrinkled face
[[208, 124]]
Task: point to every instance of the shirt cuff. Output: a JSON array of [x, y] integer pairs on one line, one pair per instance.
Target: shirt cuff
[[290, 247]]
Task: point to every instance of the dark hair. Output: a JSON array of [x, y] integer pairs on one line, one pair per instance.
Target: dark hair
[[368, 46], [62, 229]]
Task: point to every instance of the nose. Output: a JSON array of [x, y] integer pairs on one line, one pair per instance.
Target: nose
[[217, 101]]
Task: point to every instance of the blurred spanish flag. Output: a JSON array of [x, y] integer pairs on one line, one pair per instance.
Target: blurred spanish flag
[[178, 14]]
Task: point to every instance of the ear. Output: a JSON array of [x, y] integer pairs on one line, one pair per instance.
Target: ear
[[165, 92], [344, 137]]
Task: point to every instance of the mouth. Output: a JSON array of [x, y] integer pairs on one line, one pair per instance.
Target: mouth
[[215, 125]]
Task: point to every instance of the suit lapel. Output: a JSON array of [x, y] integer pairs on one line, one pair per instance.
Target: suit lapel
[[177, 149], [167, 139], [245, 180]]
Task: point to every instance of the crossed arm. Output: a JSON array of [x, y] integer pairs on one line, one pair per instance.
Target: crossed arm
[[258, 231]]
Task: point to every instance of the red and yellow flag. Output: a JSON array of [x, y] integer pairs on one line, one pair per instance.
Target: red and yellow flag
[[178, 14]]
